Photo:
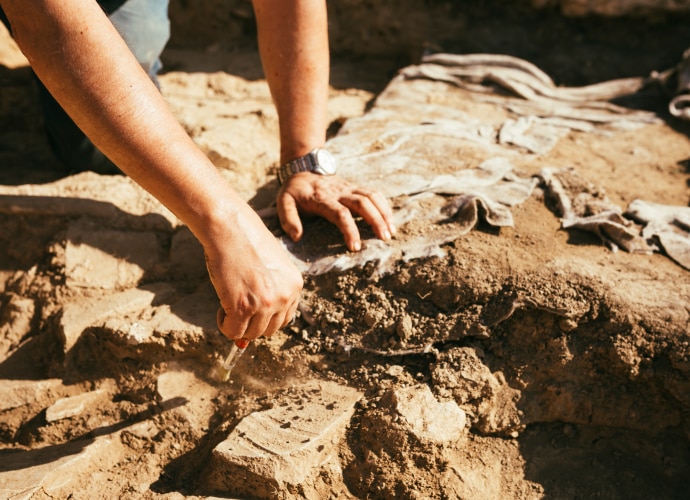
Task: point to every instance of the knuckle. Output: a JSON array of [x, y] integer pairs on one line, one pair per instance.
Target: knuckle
[[342, 213], [359, 204], [247, 306]]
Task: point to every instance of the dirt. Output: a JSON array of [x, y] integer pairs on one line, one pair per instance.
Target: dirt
[[571, 361]]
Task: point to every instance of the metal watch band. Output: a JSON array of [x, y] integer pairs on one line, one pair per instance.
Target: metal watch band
[[307, 163], [302, 164]]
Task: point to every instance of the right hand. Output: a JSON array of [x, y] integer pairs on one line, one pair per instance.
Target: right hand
[[257, 283]]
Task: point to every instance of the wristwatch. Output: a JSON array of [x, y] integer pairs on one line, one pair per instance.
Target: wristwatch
[[318, 160]]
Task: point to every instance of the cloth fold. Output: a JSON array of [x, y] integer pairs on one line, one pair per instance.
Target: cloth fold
[[581, 205], [432, 211], [676, 81], [645, 227], [667, 224], [539, 95]]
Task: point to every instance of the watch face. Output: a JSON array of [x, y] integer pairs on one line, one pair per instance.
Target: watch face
[[325, 162]]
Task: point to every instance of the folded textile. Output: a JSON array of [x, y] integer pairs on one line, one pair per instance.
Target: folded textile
[[581, 205], [540, 96], [676, 82], [667, 224], [680, 104]]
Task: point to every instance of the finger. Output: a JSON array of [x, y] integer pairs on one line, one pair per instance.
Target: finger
[[231, 329], [384, 208], [263, 325], [365, 208], [288, 214], [290, 315], [340, 215]]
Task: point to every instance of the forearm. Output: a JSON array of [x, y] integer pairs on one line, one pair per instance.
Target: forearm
[[84, 63], [293, 41]]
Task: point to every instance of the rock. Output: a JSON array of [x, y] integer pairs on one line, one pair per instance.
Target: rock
[[107, 258], [85, 312], [483, 393], [16, 393], [427, 419], [395, 371], [57, 471], [180, 387], [116, 199], [284, 446], [404, 328], [74, 405], [192, 314]]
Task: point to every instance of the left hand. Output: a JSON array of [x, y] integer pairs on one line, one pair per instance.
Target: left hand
[[336, 200]]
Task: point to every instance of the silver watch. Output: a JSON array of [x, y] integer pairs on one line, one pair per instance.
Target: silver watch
[[318, 161]]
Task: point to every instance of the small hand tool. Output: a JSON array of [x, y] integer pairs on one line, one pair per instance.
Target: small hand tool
[[237, 349]]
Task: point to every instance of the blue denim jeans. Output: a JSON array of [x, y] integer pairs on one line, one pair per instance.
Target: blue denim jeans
[[145, 27]]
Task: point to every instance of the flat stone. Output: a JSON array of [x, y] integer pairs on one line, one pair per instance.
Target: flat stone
[[107, 258], [74, 405], [86, 312], [284, 445], [426, 418], [192, 314], [16, 393], [56, 471], [114, 198]]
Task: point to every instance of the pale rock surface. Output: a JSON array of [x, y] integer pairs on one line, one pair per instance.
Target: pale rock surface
[[72, 406], [108, 259], [285, 445], [186, 256], [79, 315], [117, 199], [426, 418], [56, 471], [475, 388], [180, 386], [16, 393]]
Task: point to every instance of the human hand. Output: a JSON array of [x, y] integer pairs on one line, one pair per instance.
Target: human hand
[[336, 200], [258, 285]]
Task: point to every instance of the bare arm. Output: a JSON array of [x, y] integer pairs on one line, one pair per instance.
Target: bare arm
[[87, 67], [293, 41]]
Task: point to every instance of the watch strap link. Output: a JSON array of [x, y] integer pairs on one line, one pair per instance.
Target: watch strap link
[[305, 163], [302, 164]]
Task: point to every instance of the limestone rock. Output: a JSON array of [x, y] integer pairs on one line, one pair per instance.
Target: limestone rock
[[16, 393], [83, 313], [74, 405], [285, 445], [56, 471], [108, 259]]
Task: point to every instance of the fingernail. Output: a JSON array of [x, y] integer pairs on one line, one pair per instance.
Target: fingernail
[[386, 235], [393, 229], [357, 246]]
